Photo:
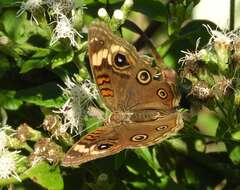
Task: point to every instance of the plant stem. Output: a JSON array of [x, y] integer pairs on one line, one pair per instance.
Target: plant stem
[[232, 15]]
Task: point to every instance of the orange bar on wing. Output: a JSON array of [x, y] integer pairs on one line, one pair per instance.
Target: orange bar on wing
[[106, 92], [101, 79]]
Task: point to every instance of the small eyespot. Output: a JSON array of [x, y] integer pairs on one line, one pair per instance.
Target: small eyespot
[[138, 138], [144, 77], [101, 42], [162, 127], [162, 93], [104, 146], [120, 61]]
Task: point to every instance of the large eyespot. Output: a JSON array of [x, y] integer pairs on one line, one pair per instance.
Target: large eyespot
[[162, 93], [162, 127], [120, 61], [144, 77], [104, 146], [138, 138]]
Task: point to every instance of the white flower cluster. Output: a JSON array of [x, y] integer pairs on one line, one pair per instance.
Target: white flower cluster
[[58, 9], [221, 40], [64, 29], [79, 97], [8, 159]]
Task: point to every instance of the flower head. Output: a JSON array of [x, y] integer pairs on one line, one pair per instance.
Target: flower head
[[102, 12], [201, 90], [79, 97], [59, 7], [64, 29], [118, 14], [8, 163], [222, 45]]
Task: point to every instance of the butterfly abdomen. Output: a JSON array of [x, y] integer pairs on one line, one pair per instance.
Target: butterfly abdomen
[[144, 115]]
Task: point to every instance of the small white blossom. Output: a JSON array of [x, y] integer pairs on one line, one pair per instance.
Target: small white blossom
[[102, 12], [64, 29], [128, 3], [192, 57], [118, 14], [80, 95], [8, 162]]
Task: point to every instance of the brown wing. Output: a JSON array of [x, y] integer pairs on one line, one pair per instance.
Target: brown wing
[[107, 141], [102, 142], [152, 132], [125, 80]]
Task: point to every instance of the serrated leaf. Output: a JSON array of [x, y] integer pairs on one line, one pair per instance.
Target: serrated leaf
[[47, 95], [45, 175], [8, 100], [62, 58]]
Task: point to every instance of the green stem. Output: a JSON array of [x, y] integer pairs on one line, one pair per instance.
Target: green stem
[[28, 148], [12, 180], [232, 14]]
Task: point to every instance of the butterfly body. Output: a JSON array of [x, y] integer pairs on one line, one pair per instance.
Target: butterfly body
[[142, 99]]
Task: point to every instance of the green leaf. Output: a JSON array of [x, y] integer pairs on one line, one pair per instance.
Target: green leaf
[[8, 100], [4, 65], [34, 64], [236, 135], [207, 124], [62, 58], [7, 3], [235, 155], [154, 9], [148, 157], [47, 95], [17, 28], [37, 52], [45, 175]]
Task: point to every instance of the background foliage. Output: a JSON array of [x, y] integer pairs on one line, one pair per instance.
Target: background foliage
[[206, 153]]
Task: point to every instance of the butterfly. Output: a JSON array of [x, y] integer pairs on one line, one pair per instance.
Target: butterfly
[[142, 99]]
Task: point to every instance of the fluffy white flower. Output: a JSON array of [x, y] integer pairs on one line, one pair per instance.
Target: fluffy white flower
[[8, 162], [64, 29], [220, 37], [60, 6], [192, 56], [79, 97]]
